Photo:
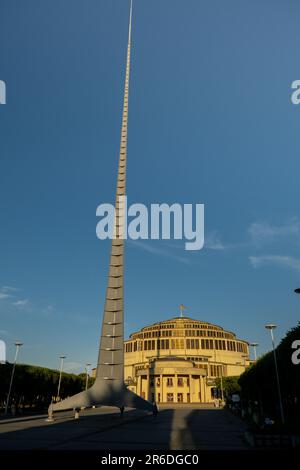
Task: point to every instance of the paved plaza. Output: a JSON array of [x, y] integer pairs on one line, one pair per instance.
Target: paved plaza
[[180, 427]]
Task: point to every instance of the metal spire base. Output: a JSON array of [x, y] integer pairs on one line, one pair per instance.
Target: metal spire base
[[102, 393]]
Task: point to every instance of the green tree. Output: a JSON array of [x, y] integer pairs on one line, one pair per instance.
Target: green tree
[[35, 386], [258, 382], [230, 385]]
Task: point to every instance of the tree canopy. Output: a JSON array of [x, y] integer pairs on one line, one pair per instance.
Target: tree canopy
[[37, 386], [258, 383]]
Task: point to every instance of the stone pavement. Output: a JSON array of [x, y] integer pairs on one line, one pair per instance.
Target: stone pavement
[[175, 428]]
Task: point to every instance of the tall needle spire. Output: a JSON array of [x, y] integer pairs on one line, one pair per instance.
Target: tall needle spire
[[109, 388], [111, 353]]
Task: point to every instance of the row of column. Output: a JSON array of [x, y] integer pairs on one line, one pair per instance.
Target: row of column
[[196, 389]]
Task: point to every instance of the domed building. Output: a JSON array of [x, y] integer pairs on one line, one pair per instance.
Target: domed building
[[178, 360]]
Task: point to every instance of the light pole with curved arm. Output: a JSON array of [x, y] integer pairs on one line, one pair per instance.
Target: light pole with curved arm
[[254, 346], [18, 344], [271, 327], [62, 358], [88, 364]]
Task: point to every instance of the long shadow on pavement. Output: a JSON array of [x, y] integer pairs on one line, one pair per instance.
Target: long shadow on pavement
[[92, 431]]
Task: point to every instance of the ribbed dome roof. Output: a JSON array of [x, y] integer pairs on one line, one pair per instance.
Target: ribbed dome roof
[[181, 323]]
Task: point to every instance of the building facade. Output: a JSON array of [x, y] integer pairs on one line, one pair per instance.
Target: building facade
[[178, 360]]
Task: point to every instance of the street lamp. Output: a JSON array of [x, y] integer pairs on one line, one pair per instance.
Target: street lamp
[[254, 345], [60, 374], [87, 375], [18, 344], [297, 291], [221, 383], [271, 327], [221, 375]]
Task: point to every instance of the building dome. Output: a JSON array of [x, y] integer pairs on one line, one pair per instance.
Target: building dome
[[184, 333], [184, 356]]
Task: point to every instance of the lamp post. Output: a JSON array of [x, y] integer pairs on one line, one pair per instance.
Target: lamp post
[[271, 327], [18, 344], [221, 375], [87, 375], [254, 346], [60, 374], [221, 383]]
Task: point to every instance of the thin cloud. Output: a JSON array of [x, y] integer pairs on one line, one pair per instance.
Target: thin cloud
[[9, 289], [21, 303], [48, 310], [275, 260], [213, 241], [6, 292], [158, 251], [4, 332], [4, 296], [264, 231], [258, 234]]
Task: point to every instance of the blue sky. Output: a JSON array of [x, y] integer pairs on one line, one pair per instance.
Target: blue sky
[[210, 121]]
